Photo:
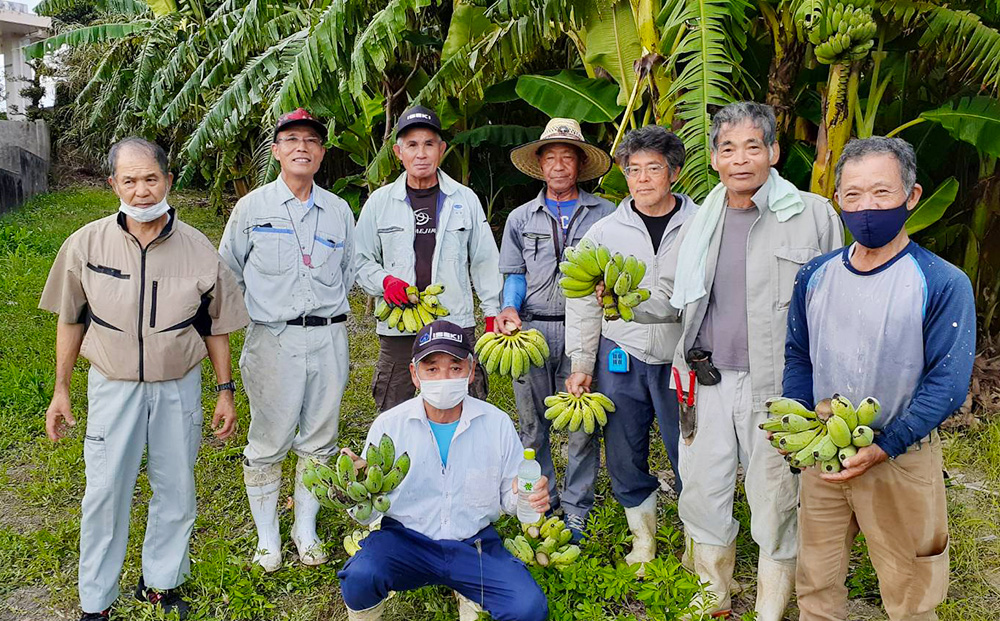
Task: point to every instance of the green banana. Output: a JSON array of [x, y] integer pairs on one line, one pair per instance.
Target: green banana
[[574, 271], [589, 421], [534, 353], [563, 419], [403, 464], [391, 480], [345, 470], [373, 457], [846, 453], [779, 406], [630, 299], [381, 503], [434, 289], [357, 491], [773, 424], [839, 431], [797, 441], [830, 465], [387, 450], [554, 411], [794, 422], [373, 480], [394, 316], [586, 258], [826, 449], [868, 411], [577, 419], [481, 342], [602, 399], [611, 273], [505, 356], [625, 312], [843, 408], [863, 436], [572, 284], [363, 510], [603, 257], [623, 284]]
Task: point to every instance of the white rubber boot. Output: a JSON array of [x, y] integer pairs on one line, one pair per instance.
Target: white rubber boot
[[263, 485], [642, 523], [468, 610], [714, 565], [304, 536], [369, 614], [775, 583]]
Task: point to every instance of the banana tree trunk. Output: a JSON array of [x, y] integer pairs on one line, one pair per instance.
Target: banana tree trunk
[[839, 100], [982, 216], [787, 60]]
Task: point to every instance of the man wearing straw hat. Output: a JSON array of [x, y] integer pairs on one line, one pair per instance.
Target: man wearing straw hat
[[534, 239]]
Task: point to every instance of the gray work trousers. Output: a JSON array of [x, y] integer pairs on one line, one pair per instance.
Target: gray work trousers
[[577, 497], [295, 381], [124, 420]]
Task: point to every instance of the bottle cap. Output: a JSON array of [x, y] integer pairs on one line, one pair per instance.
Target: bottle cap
[[529, 453]]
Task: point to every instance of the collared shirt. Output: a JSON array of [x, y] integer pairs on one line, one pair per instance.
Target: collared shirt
[[147, 311], [534, 242], [457, 500], [465, 252], [264, 242]]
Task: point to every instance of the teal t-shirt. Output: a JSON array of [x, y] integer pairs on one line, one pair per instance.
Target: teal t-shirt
[[443, 433]]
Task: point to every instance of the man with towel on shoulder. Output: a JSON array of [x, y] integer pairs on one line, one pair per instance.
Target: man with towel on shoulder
[[731, 272]]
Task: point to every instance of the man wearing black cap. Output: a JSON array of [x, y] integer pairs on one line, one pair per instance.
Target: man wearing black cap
[[424, 228], [291, 246], [465, 455]]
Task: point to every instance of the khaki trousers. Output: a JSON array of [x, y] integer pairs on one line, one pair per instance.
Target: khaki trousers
[[900, 507]]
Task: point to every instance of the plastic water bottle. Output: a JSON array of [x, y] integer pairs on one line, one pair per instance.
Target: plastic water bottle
[[527, 476]]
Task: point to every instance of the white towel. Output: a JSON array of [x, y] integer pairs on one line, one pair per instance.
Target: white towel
[[783, 199]]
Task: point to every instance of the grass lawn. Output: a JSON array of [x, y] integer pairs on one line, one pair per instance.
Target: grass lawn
[[41, 486]]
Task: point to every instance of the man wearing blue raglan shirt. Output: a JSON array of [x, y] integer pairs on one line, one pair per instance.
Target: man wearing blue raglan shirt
[[884, 318], [534, 239]]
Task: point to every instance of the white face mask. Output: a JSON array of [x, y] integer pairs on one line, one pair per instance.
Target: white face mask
[[148, 214], [444, 394]]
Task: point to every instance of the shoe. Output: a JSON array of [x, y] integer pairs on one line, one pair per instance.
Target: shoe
[[169, 600], [577, 524], [96, 616]]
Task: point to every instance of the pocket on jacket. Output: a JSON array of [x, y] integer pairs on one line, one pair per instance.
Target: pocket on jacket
[[790, 261], [394, 243], [274, 247], [326, 257], [482, 488], [454, 245]]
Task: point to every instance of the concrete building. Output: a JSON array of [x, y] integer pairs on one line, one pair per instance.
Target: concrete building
[[18, 28]]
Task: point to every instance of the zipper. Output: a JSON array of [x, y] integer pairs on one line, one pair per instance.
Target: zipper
[[142, 296], [152, 305]]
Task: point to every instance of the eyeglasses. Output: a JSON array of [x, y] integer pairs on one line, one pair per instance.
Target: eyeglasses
[[654, 171], [294, 141]]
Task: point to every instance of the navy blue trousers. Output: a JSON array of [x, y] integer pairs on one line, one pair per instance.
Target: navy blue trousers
[[396, 558], [639, 395]]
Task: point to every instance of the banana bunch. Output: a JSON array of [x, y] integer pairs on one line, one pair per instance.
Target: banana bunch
[[839, 32], [546, 544], [423, 308], [826, 437], [588, 264], [513, 354], [366, 490], [586, 411], [352, 542]]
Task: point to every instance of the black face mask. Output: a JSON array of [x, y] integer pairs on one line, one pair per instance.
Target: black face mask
[[874, 228]]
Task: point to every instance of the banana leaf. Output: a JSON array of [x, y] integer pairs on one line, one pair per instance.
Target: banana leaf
[[498, 135], [975, 120], [571, 95], [932, 208], [613, 44]]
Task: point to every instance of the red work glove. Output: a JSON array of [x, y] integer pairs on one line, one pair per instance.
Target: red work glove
[[489, 323], [394, 290]]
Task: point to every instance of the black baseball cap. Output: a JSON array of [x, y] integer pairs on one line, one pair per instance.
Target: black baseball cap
[[418, 116], [441, 336], [299, 116]]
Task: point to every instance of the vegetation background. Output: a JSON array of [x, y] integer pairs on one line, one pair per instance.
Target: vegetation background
[[207, 79]]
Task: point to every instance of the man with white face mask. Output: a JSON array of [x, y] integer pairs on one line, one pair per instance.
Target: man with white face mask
[[465, 455], [144, 297]]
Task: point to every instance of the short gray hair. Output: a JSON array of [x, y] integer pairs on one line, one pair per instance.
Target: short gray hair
[[759, 115], [655, 138], [151, 148], [860, 148]]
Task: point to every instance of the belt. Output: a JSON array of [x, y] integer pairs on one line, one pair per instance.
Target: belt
[[532, 317], [316, 321]]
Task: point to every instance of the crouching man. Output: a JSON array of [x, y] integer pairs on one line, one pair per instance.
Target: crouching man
[[465, 454]]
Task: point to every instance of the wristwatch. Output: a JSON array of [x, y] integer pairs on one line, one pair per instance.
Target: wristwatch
[[230, 385]]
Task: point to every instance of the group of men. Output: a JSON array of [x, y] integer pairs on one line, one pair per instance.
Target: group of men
[[747, 302]]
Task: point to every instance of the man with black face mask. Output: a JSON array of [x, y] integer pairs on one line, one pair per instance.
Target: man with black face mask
[[465, 455], [888, 319]]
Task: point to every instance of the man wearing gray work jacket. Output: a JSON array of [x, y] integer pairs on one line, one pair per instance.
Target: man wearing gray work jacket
[[424, 228], [534, 239], [731, 272], [290, 244]]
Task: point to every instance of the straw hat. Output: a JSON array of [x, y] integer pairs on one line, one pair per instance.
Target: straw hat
[[561, 131]]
